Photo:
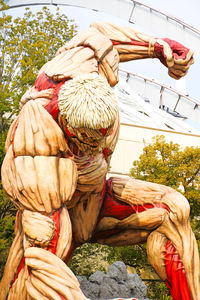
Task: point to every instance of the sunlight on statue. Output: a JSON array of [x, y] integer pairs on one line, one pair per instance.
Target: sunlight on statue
[[58, 151]]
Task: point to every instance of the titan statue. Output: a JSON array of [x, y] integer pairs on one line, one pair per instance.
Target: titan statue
[[58, 151]]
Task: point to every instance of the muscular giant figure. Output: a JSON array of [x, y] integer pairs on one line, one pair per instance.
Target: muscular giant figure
[[58, 152]]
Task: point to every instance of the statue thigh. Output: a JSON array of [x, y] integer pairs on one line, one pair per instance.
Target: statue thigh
[[136, 211]]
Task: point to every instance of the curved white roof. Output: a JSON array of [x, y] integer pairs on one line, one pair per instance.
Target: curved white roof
[[138, 110]]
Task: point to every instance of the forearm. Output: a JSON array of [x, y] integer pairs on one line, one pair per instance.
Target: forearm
[[100, 49], [130, 44]]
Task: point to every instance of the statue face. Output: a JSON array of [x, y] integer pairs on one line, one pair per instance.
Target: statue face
[[88, 136]]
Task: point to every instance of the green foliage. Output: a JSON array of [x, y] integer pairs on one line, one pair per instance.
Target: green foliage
[[3, 134], [166, 297], [7, 220], [134, 256], [158, 291], [166, 163], [89, 258], [92, 257], [26, 44]]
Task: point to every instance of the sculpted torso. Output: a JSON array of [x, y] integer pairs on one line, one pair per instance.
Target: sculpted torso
[[58, 154]]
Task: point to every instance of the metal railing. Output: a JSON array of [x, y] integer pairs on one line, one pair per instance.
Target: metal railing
[[96, 5], [163, 87], [167, 16]]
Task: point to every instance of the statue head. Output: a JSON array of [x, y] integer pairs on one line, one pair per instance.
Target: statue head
[[88, 101]]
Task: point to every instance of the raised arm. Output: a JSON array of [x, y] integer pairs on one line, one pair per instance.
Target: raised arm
[[132, 44], [109, 44]]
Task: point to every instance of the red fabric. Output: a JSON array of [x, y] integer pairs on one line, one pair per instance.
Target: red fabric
[[176, 277]]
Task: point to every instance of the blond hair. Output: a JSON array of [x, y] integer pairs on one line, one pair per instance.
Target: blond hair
[[88, 101]]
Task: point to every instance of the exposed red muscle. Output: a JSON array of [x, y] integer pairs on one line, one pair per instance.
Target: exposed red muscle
[[121, 210], [56, 218], [62, 297], [106, 152], [53, 109], [69, 134], [21, 266], [133, 42], [44, 82], [176, 277], [103, 131]]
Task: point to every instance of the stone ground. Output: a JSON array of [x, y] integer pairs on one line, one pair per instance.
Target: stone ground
[[115, 284]]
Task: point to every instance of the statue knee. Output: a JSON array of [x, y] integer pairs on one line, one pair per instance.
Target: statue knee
[[178, 205]]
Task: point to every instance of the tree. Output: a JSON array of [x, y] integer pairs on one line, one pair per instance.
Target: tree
[[26, 44], [166, 163]]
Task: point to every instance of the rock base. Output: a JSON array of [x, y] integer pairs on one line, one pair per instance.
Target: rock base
[[116, 284]]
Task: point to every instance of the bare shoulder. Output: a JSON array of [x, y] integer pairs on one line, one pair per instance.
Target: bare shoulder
[[35, 132]]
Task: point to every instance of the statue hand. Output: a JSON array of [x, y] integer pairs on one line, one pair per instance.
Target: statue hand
[[176, 57]]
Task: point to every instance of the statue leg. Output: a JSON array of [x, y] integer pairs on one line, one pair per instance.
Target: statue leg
[[135, 211], [38, 271]]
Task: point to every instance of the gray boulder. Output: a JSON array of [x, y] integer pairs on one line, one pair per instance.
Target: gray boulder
[[117, 283]]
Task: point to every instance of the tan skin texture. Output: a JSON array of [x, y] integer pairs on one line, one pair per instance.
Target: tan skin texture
[[42, 178]]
